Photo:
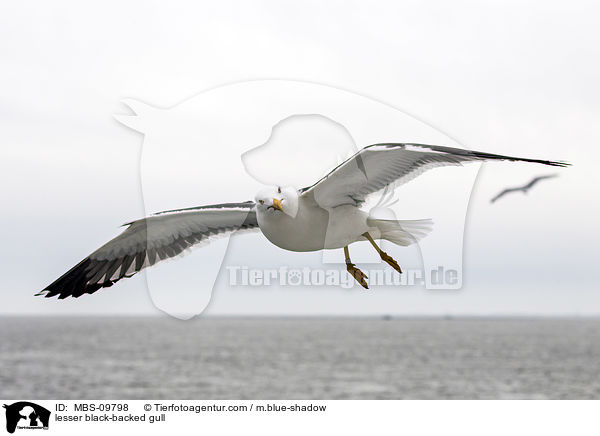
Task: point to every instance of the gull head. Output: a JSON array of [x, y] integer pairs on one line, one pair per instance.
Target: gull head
[[277, 200]]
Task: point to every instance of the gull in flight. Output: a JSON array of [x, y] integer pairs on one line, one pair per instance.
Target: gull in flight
[[524, 188], [325, 215]]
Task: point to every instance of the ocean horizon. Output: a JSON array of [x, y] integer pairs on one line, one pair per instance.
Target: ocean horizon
[[299, 357]]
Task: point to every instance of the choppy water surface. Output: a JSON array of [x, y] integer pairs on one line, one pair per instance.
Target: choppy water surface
[[129, 358]]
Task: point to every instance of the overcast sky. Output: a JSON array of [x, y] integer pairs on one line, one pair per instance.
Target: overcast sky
[[507, 77]]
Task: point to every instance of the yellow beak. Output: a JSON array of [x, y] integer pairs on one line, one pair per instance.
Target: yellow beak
[[277, 204]]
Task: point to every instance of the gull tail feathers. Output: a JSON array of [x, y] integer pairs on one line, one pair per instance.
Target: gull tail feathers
[[402, 232]]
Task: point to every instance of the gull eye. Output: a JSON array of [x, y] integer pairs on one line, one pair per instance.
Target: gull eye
[[261, 201], [279, 189]]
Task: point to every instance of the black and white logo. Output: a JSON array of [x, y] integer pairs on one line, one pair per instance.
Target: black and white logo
[[26, 415]]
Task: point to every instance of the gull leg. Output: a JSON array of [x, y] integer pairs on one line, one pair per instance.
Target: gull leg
[[358, 275], [384, 256]]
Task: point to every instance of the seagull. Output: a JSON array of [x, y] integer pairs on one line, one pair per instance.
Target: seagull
[[523, 189], [324, 216]]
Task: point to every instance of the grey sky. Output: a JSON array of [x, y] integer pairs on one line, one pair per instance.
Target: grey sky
[[514, 77]]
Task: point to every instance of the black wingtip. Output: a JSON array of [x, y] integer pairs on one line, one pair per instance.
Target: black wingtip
[[73, 283], [560, 164]]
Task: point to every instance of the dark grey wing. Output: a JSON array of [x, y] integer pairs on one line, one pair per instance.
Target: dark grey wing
[[538, 178], [523, 188], [503, 193], [377, 166], [148, 241]]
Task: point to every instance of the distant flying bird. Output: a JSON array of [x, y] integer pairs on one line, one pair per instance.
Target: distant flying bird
[[524, 188], [325, 215]]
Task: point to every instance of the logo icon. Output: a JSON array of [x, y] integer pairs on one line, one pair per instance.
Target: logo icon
[[26, 415], [229, 142]]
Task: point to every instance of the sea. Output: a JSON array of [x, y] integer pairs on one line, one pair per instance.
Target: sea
[[299, 358]]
